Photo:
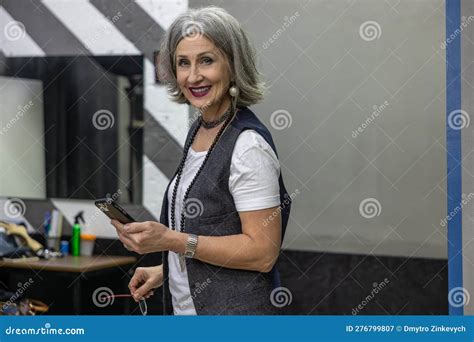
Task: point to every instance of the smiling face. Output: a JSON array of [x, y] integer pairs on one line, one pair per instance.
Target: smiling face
[[203, 75]]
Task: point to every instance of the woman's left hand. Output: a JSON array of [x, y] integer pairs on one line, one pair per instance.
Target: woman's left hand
[[144, 237]]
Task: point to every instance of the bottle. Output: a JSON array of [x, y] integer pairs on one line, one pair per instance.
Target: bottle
[[64, 247], [76, 234]]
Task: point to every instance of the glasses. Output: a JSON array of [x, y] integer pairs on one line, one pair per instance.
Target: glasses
[[141, 302]]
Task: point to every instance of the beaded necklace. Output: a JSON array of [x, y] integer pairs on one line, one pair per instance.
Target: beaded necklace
[[215, 123], [182, 261]]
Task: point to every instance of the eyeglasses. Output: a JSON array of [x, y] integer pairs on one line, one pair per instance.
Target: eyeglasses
[[141, 302]]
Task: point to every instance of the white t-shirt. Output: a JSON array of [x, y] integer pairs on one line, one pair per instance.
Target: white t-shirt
[[253, 183]]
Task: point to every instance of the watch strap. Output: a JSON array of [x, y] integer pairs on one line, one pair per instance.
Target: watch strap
[[191, 246]]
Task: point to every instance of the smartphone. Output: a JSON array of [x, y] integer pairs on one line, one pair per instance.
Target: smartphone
[[115, 212]]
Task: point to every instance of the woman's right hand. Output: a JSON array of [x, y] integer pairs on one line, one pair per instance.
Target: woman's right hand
[[144, 280]]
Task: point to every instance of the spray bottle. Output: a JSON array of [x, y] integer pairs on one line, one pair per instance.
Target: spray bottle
[[76, 234]]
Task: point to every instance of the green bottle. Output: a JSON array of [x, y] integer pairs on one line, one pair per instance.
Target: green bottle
[[76, 235]]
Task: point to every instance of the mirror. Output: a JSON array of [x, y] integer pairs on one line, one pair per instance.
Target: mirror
[[72, 127]]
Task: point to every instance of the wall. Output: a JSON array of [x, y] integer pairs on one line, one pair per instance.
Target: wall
[[467, 134], [328, 74]]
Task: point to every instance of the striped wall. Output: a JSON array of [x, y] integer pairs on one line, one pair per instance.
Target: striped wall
[[54, 28]]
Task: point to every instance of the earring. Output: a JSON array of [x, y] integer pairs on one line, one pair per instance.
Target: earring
[[233, 91]]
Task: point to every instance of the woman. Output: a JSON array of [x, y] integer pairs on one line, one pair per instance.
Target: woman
[[221, 224]]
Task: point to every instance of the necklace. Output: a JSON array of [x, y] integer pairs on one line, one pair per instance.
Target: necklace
[[182, 261], [212, 124]]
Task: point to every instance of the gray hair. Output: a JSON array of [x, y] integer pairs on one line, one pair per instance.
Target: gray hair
[[222, 29]]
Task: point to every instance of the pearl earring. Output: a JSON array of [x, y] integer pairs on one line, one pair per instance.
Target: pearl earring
[[233, 91]]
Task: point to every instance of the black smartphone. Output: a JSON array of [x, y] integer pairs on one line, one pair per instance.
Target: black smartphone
[[113, 210]]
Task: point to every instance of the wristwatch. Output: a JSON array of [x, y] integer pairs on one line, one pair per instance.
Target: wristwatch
[[191, 245]]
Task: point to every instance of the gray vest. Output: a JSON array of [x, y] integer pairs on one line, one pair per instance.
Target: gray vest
[[218, 290]]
